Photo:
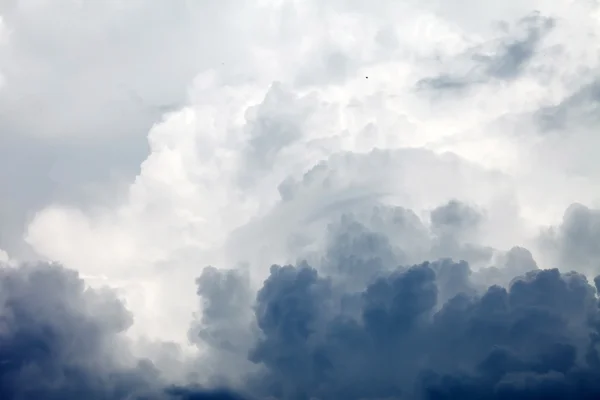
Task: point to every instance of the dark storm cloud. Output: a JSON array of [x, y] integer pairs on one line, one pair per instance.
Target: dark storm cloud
[[201, 394], [59, 340], [432, 330], [530, 340], [355, 325], [507, 60]]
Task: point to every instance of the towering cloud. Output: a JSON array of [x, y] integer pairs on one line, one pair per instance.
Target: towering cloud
[[404, 195], [357, 325]]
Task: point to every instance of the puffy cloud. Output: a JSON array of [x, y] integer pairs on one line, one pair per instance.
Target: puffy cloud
[[541, 349], [58, 337], [358, 326], [202, 178], [82, 85], [201, 158], [424, 331], [294, 133], [232, 114], [573, 241], [532, 339], [224, 327], [61, 340]]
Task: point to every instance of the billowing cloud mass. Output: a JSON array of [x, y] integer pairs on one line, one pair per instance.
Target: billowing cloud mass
[[60, 340], [284, 199]]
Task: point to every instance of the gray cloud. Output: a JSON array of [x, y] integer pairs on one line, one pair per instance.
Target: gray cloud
[[574, 243], [273, 125], [226, 298], [225, 329], [515, 262], [358, 325], [507, 59], [513, 54], [578, 110], [354, 323], [361, 314], [495, 344], [61, 340]]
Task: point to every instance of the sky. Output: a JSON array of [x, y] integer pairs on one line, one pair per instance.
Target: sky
[[299, 199]]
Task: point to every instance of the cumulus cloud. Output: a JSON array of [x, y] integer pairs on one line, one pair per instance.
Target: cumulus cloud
[[224, 327], [574, 241], [61, 340], [82, 85], [204, 173], [432, 330], [532, 339], [414, 225], [361, 325]]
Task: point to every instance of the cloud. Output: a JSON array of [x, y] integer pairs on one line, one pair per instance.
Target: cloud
[[143, 141], [507, 59], [427, 331], [358, 326], [61, 340], [573, 241], [576, 109], [224, 327], [562, 363], [202, 173], [355, 324], [4, 256], [525, 340], [81, 86]]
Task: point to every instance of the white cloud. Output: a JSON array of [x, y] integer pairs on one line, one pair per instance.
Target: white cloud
[[3, 256], [84, 81], [273, 90], [3, 40]]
